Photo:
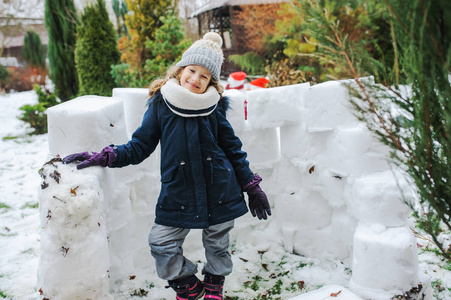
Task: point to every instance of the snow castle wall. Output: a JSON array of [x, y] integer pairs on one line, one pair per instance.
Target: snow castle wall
[[332, 192]]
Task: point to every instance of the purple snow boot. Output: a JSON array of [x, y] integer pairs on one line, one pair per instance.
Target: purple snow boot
[[213, 286], [188, 288]]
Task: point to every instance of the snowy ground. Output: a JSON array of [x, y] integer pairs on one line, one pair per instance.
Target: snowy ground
[[259, 269]]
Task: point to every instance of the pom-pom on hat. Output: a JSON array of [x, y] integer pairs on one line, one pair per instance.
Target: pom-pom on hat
[[205, 52]]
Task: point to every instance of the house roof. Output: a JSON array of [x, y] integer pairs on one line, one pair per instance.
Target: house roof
[[220, 3]]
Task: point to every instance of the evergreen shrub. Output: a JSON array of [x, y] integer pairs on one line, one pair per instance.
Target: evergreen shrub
[[60, 21], [32, 52], [96, 51], [36, 115], [4, 77]]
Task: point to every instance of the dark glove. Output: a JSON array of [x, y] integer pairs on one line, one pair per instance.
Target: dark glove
[[258, 202], [105, 158]]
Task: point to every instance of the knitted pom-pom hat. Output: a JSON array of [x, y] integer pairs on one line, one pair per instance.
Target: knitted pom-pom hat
[[206, 53]]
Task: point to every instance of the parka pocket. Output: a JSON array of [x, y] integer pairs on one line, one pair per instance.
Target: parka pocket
[[168, 175], [173, 195], [220, 181]]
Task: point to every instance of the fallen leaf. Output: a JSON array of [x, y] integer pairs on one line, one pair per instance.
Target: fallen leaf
[[64, 250], [301, 284], [56, 175], [74, 191], [311, 170], [132, 277], [335, 294]]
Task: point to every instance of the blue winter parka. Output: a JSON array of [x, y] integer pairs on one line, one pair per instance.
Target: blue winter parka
[[202, 165]]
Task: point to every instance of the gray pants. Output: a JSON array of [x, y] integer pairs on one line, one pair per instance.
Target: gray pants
[[166, 247]]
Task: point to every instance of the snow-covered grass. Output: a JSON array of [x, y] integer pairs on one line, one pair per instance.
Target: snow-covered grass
[[260, 271]]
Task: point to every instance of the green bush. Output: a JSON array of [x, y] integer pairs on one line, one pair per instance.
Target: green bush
[[124, 76], [60, 19], [4, 77], [167, 47], [33, 52], [35, 115], [250, 62], [96, 51]]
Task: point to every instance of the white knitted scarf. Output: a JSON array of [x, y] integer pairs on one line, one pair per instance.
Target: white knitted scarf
[[185, 103]]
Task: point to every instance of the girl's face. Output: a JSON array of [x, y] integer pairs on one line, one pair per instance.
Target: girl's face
[[195, 78]]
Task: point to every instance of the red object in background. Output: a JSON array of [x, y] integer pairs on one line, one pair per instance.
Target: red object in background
[[234, 88], [245, 110], [240, 75], [260, 82]]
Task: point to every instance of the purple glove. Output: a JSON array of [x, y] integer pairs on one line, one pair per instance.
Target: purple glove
[[258, 202], [105, 158]]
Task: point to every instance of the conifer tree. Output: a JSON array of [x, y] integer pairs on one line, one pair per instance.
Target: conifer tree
[[141, 22], [414, 118], [60, 22], [421, 135], [32, 52], [96, 51], [120, 10], [167, 47]]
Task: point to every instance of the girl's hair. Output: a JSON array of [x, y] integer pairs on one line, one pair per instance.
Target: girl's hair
[[174, 72]]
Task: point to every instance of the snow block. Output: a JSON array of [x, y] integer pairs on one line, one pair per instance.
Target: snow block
[[377, 198], [327, 106], [320, 243], [297, 142], [235, 114], [261, 145], [74, 260], [87, 123], [356, 151], [329, 291], [275, 107], [331, 185], [134, 101], [385, 261], [302, 209], [286, 172]]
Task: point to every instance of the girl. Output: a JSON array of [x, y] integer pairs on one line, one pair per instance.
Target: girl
[[203, 170]]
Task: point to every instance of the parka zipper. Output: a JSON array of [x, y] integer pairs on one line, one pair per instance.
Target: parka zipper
[[182, 167], [211, 169]]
